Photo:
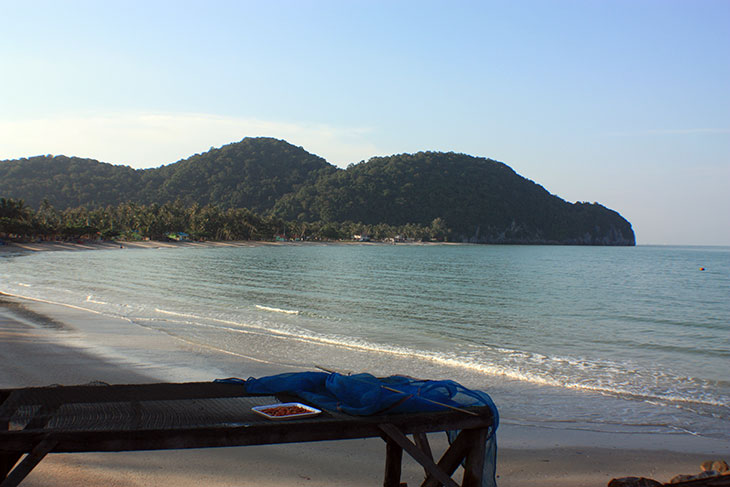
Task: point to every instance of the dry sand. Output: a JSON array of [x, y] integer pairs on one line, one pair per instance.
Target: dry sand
[[37, 347]]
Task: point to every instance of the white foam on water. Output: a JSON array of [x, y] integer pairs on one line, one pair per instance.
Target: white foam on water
[[48, 301], [537, 369], [277, 310], [210, 313]]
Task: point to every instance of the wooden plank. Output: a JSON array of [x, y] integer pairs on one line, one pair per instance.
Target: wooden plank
[[420, 422], [240, 434], [393, 461], [38, 421], [215, 432], [54, 397], [7, 462], [397, 435], [121, 392], [721, 481], [474, 464], [452, 457], [7, 407], [28, 463], [421, 441]]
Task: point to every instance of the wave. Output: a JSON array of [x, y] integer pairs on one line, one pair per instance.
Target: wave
[[90, 300], [507, 363], [175, 313], [590, 376], [56, 303], [277, 310]]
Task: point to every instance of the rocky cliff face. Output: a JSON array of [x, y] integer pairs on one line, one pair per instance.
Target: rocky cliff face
[[620, 234], [611, 236]]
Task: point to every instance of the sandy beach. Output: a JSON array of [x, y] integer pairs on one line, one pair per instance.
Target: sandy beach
[[39, 345], [37, 349], [50, 246]]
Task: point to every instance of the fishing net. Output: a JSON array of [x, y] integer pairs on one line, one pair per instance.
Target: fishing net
[[365, 395]]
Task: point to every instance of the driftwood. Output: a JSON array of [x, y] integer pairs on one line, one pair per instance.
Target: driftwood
[[718, 481]]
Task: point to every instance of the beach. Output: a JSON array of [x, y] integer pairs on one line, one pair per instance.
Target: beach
[[44, 343], [37, 348], [50, 246]]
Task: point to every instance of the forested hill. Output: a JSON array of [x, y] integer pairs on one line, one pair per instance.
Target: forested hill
[[253, 174], [470, 198], [479, 200]]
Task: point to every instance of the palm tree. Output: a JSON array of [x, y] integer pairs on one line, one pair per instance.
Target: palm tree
[[14, 209], [15, 217]]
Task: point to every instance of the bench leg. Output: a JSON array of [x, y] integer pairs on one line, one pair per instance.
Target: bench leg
[[421, 441], [393, 461], [396, 435], [7, 462], [474, 462], [32, 459]]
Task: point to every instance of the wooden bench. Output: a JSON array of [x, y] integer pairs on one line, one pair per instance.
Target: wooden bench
[[105, 418]]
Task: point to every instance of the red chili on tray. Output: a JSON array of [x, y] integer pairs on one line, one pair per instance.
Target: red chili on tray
[[285, 410]]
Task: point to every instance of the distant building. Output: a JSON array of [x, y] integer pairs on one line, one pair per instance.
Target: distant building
[[179, 236]]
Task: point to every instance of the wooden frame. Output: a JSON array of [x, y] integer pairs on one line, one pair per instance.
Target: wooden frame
[[37, 421]]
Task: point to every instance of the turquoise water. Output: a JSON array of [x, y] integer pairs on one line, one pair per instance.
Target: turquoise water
[[622, 339]]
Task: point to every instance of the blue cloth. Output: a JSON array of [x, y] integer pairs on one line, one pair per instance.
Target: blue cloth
[[366, 395]]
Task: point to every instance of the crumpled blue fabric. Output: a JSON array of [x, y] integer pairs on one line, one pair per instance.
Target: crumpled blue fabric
[[366, 395]]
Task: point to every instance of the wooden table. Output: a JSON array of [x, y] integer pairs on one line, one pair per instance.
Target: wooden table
[[104, 418]]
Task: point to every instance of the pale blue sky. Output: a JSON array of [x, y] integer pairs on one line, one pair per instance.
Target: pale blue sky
[[626, 103]]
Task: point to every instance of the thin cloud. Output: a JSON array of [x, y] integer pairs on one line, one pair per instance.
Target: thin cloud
[[691, 131], [153, 139]]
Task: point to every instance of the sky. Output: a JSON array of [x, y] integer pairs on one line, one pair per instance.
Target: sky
[[621, 102]]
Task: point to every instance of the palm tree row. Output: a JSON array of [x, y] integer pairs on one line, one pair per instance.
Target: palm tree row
[[131, 221]]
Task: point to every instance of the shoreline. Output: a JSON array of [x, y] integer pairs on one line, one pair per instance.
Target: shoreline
[[53, 246], [40, 346]]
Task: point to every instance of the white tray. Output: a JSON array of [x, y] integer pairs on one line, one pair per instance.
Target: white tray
[[310, 411]]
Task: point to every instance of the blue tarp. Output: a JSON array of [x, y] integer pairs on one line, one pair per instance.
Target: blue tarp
[[365, 395]]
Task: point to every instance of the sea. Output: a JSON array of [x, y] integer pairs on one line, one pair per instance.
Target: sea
[[606, 339]]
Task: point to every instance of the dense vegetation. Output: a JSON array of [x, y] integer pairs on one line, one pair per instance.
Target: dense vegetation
[[130, 221], [280, 186], [480, 200], [253, 174]]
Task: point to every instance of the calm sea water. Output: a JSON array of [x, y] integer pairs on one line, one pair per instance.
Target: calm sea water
[[608, 339]]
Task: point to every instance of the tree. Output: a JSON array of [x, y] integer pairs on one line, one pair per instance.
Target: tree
[[15, 217], [438, 230]]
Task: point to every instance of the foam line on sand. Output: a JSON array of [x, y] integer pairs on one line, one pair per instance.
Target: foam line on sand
[[34, 353]]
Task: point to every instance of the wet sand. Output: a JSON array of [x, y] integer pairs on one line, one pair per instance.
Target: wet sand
[[50, 246], [39, 346]]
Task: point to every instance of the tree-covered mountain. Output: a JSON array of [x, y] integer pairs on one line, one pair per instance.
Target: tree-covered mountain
[[67, 182], [479, 200], [253, 173], [465, 198]]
